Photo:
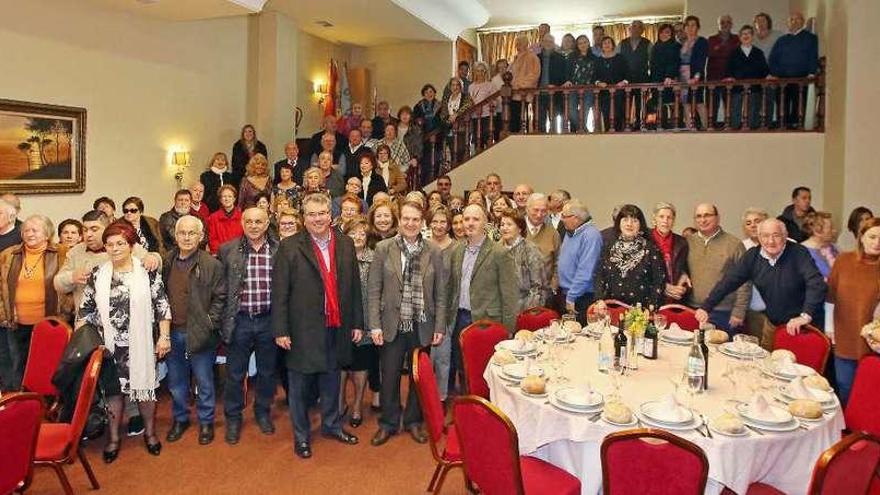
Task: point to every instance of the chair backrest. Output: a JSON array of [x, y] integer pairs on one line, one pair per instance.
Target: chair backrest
[[680, 314], [848, 466], [85, 398], [810, 347], [535, 318], [864, 402], [489, 446], [477, 342], [656, 453], [20, 416], [429, 400], [48, 341], [615, 308]]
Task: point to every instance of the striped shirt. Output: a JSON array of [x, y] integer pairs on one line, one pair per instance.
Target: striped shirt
[[256, 286]]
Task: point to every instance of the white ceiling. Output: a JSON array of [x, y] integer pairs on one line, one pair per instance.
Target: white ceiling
[[565, 12], [178, 10]]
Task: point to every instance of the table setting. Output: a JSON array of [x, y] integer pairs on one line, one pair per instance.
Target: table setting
[[762, 418]]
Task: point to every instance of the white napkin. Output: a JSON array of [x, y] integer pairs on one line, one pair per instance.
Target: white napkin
[[580, 396], [759, 408], [669, 409], [789, 369], [674, 327], [798, 390]]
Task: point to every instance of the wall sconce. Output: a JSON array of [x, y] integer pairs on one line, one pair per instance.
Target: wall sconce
[[321, 91], [181, 160]]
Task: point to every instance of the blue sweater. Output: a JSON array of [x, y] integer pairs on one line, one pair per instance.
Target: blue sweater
[[578, 257], [795, 55]]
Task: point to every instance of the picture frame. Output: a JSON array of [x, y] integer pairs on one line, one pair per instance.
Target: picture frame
[[42, 148]]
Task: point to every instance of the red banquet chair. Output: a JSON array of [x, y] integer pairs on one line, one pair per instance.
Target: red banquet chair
[[477, 342], [615, 309], [848, 467], [490, 449], [20, 417], [656, 453], [680, 314], [862, 406], [810, 347], [443, 438], [535, 318], [48, 341], [59, 443]]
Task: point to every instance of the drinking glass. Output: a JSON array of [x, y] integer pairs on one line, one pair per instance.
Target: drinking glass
[[660, 321], [694, 386], [562, 352]]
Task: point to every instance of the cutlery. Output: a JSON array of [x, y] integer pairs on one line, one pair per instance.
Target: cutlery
[[595, 417], [706, 424], [759, 432], [698, 430]]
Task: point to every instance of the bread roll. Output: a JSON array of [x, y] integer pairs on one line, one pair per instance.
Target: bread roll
[[572, 326], [783, 355], [533, 384], [818, 382], [618, 412], [729, 423], [525, 335], [716, 336], [805, 408], [502, 357]]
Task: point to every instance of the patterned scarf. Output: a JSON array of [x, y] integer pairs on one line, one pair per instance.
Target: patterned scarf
[[626, 254], [412, 303], [328, 275]]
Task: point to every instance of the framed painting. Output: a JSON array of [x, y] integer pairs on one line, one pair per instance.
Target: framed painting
[[42, 148]]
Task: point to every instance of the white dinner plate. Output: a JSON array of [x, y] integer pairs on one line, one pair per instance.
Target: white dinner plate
[[798, 370], [677, 335], [534, 396], [518, 347], [649, 410], [675, 342], [634, 421], [518, 370], [790, 426], [578, 399], [562, 407], [820, 396], [826, 407], [694, 423], [781, 416], [743, 433], [728, 349]]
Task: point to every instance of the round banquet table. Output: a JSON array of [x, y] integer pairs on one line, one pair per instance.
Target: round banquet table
[[571, 442]]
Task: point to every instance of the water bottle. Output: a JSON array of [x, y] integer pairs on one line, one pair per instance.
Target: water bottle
[[696, 366]]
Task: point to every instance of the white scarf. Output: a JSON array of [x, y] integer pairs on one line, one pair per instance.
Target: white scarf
[[142, 360], [219, 172]]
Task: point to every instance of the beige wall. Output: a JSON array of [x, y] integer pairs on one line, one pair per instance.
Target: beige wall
[[733, 171], [148, 86], [742, 11], [400, 70]]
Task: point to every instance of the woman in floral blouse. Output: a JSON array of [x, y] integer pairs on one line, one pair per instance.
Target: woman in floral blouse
[[534, 282]]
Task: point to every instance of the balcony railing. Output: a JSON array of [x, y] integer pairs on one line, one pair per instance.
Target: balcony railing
[[728, 106]]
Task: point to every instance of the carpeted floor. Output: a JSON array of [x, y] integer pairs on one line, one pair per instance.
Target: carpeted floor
[[259, 464]]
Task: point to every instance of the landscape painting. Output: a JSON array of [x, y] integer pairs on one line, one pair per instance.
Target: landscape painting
[[42, 148]]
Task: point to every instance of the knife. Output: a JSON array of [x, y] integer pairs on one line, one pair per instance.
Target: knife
[[759, 432]]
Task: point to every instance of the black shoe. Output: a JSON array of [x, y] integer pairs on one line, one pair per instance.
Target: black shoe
[[135, 426], [153, 448], [381, 437], [355, 421], [206, 433], [265, 424], [110, 455], [342, 436], [177, 430], [303, 450], [417, 434], [233, 431]]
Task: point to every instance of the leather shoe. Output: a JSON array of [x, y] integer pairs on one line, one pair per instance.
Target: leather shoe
[[266, 425], [153, 448], [417, 434], [381, 437], [233, 431], [177, 430], [342, 436], [206, 433], [110, 455], [303, 450]]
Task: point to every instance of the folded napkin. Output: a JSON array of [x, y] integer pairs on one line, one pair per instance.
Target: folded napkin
[[669, 409], [674, 327], [759, 408], [798, 390]]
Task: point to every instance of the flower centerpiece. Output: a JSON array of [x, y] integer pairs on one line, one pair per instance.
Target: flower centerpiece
[[636, 321]]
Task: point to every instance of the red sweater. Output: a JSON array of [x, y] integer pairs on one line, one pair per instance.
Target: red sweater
[[202, 212], [223, 228]]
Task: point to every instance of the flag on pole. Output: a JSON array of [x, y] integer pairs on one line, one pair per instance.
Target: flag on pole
[[330, 102], [344, 91]]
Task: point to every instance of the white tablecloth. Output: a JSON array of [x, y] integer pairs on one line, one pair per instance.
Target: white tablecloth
[[571, 441]]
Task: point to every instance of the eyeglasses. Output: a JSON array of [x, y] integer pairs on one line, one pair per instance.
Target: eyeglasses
[[287, 224], [130, 210]]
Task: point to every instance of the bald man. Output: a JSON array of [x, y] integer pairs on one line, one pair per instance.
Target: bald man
[[795, 54], [483, 281], [785, 275], [291, 157]]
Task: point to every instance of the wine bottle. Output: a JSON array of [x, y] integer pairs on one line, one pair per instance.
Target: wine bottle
[[650, 343], [620, 342], [705, 349]]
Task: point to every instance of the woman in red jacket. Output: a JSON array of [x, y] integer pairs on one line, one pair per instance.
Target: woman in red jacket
[[225, 223]]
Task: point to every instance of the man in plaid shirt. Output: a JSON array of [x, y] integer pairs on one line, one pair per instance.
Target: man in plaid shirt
[[247, 322]]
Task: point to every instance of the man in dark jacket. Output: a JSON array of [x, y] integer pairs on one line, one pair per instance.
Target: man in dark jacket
[[795, 54], [747, 62], [168, 220], [793, 215], [196, 288], [636, 51], [553, 72], [247, 318], [317, 313]]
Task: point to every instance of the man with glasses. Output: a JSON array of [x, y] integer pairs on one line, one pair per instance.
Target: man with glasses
[[785, 275], [196, 289], [711, 254], [247, 320], [318, 313]]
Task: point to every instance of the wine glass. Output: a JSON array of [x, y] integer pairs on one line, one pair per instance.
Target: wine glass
[[562, 352], [660, 321], [593, 324], [694, 386]]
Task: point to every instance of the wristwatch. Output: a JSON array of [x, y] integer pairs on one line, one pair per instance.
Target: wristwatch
[[807, 317]]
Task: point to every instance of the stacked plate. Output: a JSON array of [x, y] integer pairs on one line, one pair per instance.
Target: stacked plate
[[677, 336], [517, 346], [739, 351], [659, 415], [577, 400], [788, 371], [775, 419], [828, 400], [517, 371]]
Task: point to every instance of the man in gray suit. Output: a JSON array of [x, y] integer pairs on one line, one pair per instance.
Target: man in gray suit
[[406, 309], [482, 283]]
